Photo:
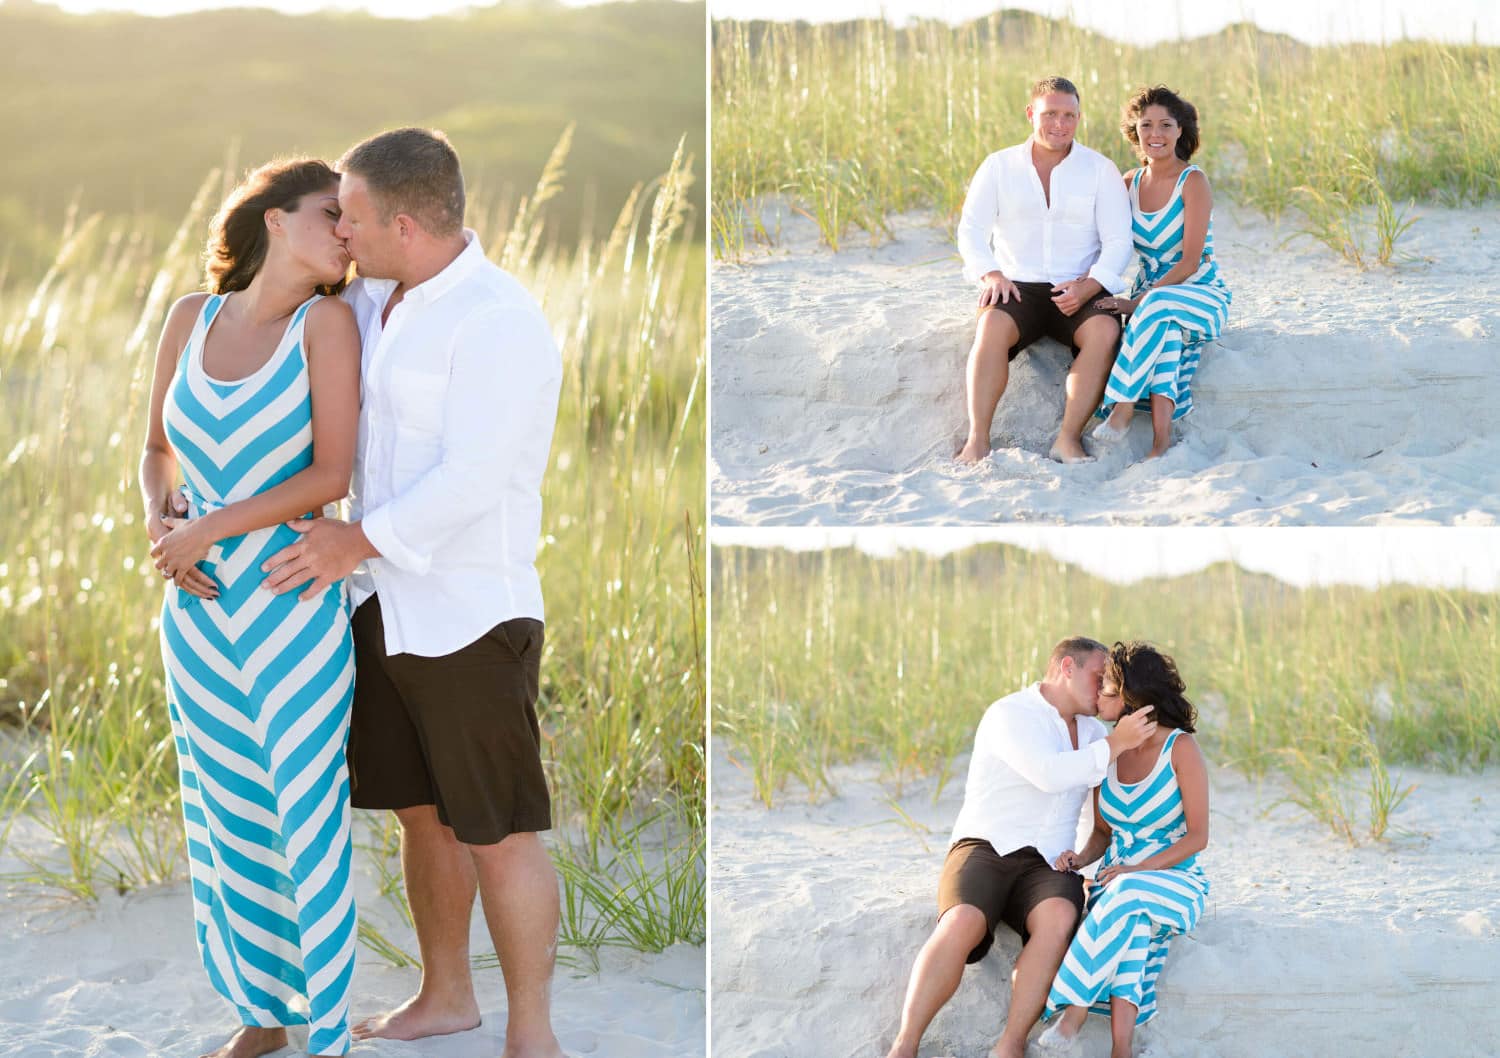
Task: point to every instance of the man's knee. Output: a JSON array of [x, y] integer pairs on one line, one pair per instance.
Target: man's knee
[[996, 332], [963, 924], [1053, 919], [1098, 331]]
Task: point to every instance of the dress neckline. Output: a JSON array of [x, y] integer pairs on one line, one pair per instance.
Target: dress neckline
[[276, 354], [1163, 754], [1135, 191]]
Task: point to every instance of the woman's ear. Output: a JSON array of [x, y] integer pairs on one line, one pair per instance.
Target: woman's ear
[[273, 220]]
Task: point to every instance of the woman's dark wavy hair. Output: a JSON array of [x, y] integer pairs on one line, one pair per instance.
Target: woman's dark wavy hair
[[237, 239], [1183, 112], [1146, 676]]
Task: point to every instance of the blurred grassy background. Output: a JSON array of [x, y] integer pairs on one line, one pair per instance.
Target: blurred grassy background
[[823, 658], [127, 112]]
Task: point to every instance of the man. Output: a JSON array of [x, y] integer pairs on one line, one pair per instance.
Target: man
[[1059, 218], [1036, 754], [460, 378]]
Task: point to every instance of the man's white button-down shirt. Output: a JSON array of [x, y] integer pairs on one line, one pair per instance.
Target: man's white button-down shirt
[[1027, 784], [1008, 224], [459, 391]]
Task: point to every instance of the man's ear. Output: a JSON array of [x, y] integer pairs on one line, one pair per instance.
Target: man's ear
[[405, 226]]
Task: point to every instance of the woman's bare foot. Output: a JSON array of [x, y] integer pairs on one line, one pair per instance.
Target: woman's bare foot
[[1159, 450], [251, 1042], [974, 450], [419, 1017]]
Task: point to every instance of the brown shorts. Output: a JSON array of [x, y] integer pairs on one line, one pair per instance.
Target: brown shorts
[[1005, 888], [1037, 316], [459, 731]]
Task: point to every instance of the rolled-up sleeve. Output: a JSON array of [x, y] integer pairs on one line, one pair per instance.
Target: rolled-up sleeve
[[504, 382], [1112, 215], [981, 207], [1022, 743]]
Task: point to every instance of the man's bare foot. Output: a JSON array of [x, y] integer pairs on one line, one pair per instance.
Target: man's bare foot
[[1116, 426], [419, 1017], [1061, 1036], [1157, 451], [973, 450], [549, 1050], [251, 1042], [1006, 1049], [901, 1050], [1068, 450]]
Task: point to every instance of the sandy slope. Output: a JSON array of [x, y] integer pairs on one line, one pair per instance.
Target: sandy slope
[[1307, 948], [123, 980], [1335, 396]]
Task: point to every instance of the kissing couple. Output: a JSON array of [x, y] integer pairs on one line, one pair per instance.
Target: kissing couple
[[1013, 861]]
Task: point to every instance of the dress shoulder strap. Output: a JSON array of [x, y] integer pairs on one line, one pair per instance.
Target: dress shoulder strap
[[206, 314]]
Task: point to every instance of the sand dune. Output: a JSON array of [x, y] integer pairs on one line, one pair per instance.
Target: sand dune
[[1335, 396], [1307, 947], [122, 980]]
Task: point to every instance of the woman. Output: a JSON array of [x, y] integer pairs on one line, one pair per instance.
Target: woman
[[256, 401], [1178, 301], [1150, 823]]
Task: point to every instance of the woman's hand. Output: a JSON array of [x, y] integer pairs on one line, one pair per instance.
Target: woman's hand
[[178, 551], [1108, 874], [1119, 306], [1068, 861]]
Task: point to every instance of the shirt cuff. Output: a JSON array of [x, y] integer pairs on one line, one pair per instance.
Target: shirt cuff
[[977, 271], [1100, 749], [382, 534], [1108, 280]]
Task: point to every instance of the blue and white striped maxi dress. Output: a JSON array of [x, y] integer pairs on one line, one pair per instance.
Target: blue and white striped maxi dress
[[259, 688], [1161, 345], [1121, 946]]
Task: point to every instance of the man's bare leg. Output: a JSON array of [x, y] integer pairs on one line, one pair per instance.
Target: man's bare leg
[[440, 885], [988, 373], [1051, 924], [518, 888], [251, 1041], [1121, 1027], [1097, 338], [1161, 425], [936, 974]]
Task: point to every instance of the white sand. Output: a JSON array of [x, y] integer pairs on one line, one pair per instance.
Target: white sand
[[123, 979], [1334, 397], [1307, 947]]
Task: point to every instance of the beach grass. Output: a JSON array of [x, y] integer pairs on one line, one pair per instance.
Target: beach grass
[[826, 658], [853, 123], [88, 761]]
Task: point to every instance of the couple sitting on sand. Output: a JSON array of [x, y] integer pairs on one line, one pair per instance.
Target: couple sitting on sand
[[1048, 226], [1036, 755]]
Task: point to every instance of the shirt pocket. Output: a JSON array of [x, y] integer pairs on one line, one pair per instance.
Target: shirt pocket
[[1078, 210], [417, 400]]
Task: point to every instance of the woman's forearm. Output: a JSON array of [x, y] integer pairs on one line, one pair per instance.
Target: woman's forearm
[[307, 490], [1094, 848], [157, 476]]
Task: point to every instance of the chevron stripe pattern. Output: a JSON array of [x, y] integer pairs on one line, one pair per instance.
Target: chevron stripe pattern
[[1162, 344], [1121, 946], [259, 688]]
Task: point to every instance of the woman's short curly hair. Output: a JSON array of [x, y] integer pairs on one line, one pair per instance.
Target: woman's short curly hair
[[1183, 112], [1146, 676], [237, 239]]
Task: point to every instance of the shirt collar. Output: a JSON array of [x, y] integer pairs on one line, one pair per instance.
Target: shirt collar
[[457, 270]]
